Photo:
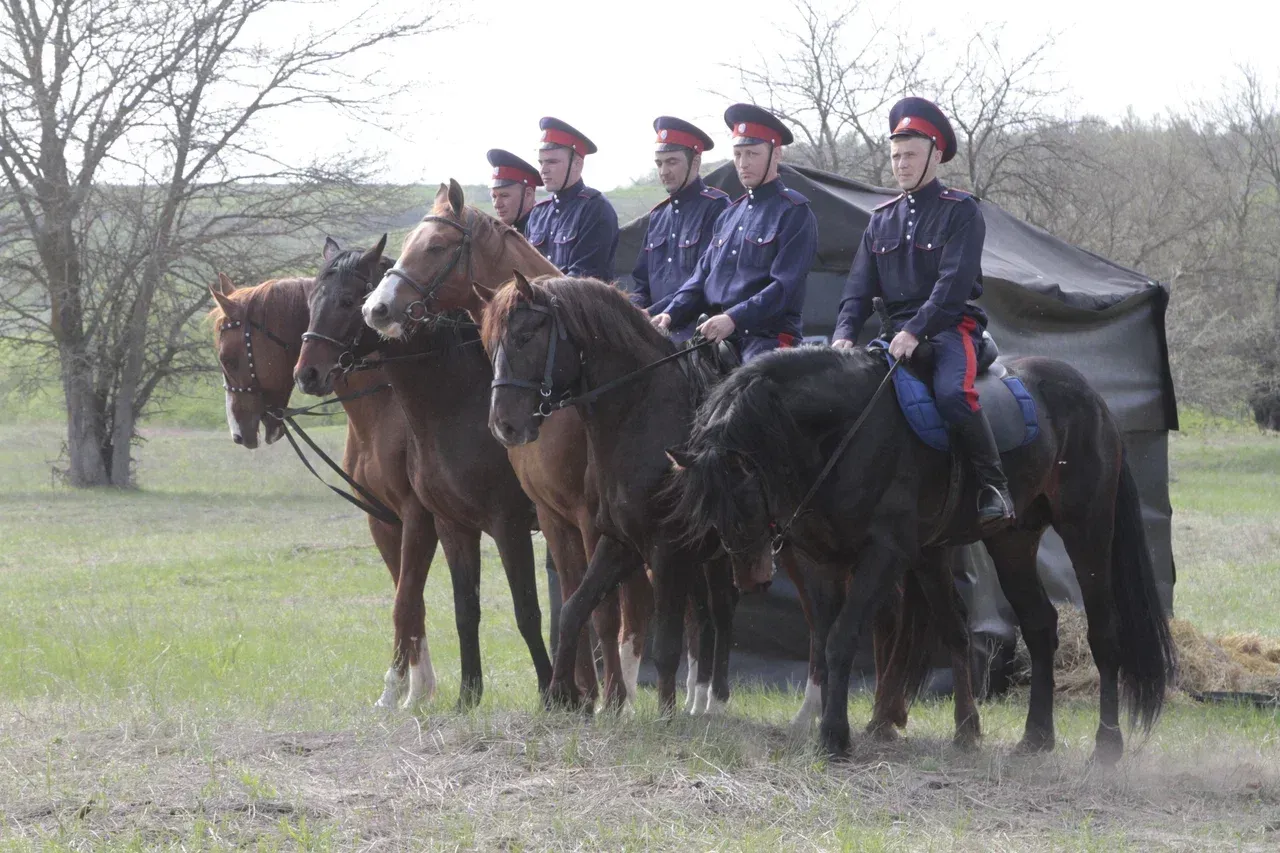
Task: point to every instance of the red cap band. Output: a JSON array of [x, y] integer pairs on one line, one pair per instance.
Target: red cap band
[[568, 140], [511, 173], [915, 124], [679, 137], [756, 131]]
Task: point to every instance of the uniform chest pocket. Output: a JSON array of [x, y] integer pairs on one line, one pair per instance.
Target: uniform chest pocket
[[689, 245], [759, 247], [567, 234], [885, 245]]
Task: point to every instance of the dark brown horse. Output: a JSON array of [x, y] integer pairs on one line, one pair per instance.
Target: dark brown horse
[[885, 500], [559, 336], [258, 370], [458, 472], [452, 248]]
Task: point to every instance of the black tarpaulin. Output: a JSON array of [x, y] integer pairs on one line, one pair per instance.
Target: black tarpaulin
[[1044, 297]]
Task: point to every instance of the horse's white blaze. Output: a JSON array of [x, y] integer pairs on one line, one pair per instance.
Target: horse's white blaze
[[383, 294], [231, 417], [810, 708], [630, 659], [690, 684], [422, 677], [393, 684]]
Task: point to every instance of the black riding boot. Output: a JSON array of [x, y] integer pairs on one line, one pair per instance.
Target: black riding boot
[[995, 505]]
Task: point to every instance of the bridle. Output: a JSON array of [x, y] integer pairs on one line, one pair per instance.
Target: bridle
[[418, 311], [249, 326], [346, 349], [545, 389]]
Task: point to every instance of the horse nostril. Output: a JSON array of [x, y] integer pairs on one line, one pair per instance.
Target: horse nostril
[[237, 438], [379, 310]]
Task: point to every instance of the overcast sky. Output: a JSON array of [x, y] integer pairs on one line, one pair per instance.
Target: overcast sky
[[610, 68]]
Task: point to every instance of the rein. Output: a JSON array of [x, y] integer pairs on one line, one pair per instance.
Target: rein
[[370, 504], [547, 406], [780, 534]]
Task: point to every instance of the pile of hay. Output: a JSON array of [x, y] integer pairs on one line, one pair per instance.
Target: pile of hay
[[1234, 662]]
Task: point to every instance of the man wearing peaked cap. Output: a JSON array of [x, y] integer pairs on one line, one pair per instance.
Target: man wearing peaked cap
[[752, 277], [680, 225], [513, 189], [576, 228], [922, 252]]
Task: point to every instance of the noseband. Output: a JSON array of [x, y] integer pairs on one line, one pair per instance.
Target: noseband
[[346, 349], [416, 312], [502, 367], [249, 326]]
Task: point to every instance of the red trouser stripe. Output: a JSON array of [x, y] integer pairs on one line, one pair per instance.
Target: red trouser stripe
[[967, 328]]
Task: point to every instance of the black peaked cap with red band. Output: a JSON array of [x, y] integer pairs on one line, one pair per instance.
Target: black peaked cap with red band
[[675, 133], [509, 169], [559, 134], [919, 117], [751, 125]]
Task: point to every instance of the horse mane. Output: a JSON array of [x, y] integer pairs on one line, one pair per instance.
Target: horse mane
[[590, 310], [771, 417], [282, 294]]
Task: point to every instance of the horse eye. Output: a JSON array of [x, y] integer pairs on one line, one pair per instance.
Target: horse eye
[[435, 250], [346, 301]]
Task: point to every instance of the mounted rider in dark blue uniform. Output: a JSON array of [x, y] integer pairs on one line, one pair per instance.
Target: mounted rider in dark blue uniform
[[513, 189], [681, 225], [576, 228], [922, 252], [752, 277]]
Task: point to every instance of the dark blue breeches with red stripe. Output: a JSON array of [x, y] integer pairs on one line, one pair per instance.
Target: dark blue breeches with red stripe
[[955, 359]]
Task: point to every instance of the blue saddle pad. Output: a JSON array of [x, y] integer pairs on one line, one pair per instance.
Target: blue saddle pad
[[1009, 408]]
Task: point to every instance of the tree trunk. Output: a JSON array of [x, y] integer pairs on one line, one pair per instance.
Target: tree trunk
[[86, 464]]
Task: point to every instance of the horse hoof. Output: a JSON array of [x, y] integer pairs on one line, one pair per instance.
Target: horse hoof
[[884, 732], [1034, 744], [966, 741], [835, 743], [561, 696], [1108, 746]]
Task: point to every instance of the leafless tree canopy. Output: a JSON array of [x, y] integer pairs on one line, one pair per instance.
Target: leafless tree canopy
[[1190, 198], [136, 161]]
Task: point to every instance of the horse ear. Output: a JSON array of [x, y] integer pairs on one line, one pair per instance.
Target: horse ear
[[221, 295], [224, 284], [485, 294], [680, 459], [330, 249], [456, 199], [522, 286], [442, 195], [374, 255]]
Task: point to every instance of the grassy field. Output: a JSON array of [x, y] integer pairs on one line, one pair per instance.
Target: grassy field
[[193, 666]]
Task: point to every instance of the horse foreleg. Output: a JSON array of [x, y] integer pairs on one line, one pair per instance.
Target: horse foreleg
[[462, 550], [569, 554], [892, 647], [636, 602], [610, 563], [811, 707], [937, 583], [417, 549], [672, 569], [700, 636], [387, 538], [515, 546], [724, 601]]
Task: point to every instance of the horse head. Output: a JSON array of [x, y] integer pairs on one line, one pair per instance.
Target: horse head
[[535, 364], [256, 356], [337, 334]]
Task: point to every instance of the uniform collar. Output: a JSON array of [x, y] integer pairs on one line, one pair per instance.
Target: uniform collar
[[766, 191], [520, 223], [569, 191], [690, 192], [928, 192]]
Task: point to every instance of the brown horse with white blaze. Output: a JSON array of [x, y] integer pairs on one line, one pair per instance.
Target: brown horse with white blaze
[[258, 336]]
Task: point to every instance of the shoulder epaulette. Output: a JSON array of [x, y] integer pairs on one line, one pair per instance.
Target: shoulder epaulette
[[546, 200], [713, 192], [954, 195], [588, 192], [793, 196], [885, 204]]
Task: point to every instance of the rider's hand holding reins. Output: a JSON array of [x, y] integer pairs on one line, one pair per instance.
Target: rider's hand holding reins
[[662, 321], [717, 328], [903, 344], [842, 343]]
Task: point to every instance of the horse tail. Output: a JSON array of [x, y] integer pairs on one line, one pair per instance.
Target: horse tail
[[1148, 658]]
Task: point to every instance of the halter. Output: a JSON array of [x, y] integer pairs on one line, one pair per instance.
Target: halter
[[346, 349], [249, 326], [416, 312], [502, 367]]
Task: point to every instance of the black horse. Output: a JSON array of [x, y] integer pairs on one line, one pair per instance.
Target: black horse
[[763, 436]]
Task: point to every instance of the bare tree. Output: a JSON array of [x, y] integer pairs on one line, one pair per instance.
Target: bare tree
[[137, 159], [832, 82]]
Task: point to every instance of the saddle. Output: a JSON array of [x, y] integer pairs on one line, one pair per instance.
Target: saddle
[[1009, 407]]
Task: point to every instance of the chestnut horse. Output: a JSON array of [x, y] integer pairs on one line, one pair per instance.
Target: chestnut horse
[[452, 248], [257, 368]]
